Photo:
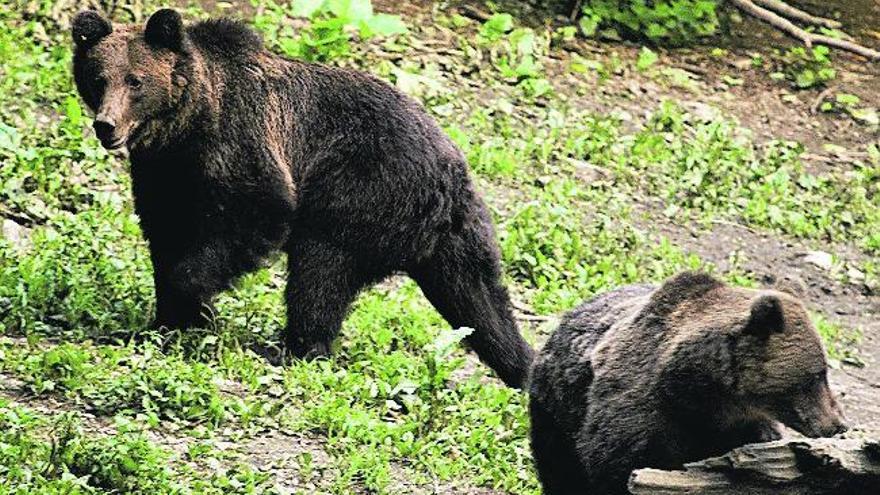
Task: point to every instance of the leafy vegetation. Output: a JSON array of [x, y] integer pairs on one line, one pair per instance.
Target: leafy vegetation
[[333, 26], [550, 248], [55, 455], [700, 166], [668, 21], [807, 67], [577, 195]]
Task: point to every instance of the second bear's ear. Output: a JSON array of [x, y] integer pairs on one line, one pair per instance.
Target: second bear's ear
[[165, 30], [682, 287], [89, 27], [766, 317]]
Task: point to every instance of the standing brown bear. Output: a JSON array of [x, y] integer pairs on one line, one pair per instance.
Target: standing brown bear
[[236, 152], [647, 376]]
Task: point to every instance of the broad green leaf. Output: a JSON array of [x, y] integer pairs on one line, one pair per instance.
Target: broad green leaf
[[382, 25], [647, 58], [306, 8]]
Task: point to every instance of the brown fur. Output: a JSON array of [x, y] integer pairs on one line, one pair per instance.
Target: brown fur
[[657, 376], [237, 153]]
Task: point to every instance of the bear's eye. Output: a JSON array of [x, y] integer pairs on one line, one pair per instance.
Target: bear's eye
[[133, 82], [99, 82]]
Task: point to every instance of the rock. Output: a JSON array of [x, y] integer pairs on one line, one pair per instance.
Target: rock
[[18, 235], [821, 259], [589, 173], [855, 275], [701, 112], [802, 466]]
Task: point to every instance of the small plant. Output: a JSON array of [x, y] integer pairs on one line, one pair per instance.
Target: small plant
[[59, 455], [495, 28], [551, 248], [674, 22], [808, 68], [647, 58], [516, 53], [842, 102], [332, 27], [839, 342], [113, 380]]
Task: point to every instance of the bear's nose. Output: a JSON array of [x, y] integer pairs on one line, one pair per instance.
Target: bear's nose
[[104, 129]]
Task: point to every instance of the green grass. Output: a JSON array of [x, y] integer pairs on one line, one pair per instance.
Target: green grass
[[56, 455], [398, 399], [572, 242], [714, 169]]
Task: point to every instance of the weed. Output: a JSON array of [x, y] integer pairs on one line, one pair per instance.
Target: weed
[[569, 245], [329, 34], [674, 22], [573, 194], [516, 54], [808, 68]]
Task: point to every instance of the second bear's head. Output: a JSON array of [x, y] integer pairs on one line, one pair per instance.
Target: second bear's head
[[744, 353], [148, 81]]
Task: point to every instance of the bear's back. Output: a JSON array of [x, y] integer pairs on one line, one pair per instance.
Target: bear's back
[[563, 372]]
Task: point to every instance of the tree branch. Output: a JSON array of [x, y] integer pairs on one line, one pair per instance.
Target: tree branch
[[797, 14], [785, 467], [809, 39]]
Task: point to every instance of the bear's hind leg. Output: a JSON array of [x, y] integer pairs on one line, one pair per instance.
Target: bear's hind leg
[[323, 281], [556, 459], [462, 279]]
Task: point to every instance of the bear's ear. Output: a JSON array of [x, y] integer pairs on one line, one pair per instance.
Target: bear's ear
[[89, 27], [680, 288], [789, 283], [765, 317], [165, 30]]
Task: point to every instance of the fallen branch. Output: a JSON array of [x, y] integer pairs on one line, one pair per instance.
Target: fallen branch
[[475, 13], [785, 467], [797, 14], [809, 39]]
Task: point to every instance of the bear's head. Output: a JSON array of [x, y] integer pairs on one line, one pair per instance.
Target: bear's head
[[782, 367], [130, 76], [753, 353]]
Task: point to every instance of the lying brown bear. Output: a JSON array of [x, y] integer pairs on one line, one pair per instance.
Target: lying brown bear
[[647, 376], [236, 153]]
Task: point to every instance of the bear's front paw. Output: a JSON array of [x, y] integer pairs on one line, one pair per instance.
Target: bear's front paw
[[309, 351], [769, 432]]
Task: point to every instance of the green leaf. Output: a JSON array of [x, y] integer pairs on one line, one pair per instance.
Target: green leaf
[[73, 110], [589, 25], [847, 99], [647, 58], [497, 26], [351, 11], [306, 8], [805, 79], [449, 338], [866, 116], [382, 25]]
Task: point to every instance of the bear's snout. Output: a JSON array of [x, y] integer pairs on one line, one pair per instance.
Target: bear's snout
[[104, 130]]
